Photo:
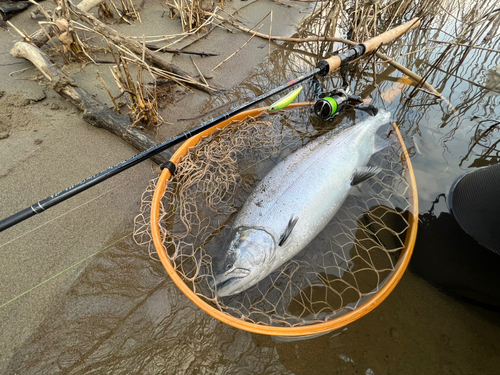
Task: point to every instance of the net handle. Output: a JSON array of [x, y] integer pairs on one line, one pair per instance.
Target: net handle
[[312, 329]]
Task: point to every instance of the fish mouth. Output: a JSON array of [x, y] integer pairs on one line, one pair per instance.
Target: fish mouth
[[221, 282]]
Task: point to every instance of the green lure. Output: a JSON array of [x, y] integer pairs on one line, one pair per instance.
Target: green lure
[[285, 101]]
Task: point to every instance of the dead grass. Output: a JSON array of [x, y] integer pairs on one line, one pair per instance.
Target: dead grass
[[192, 13]]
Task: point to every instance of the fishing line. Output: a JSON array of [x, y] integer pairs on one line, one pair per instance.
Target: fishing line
[[63, 271], [127, 235], [58, 217]]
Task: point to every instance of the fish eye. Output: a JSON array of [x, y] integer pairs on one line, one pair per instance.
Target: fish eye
[[228, 267]]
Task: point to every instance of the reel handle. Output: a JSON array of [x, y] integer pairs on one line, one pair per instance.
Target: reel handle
[[332, 63]]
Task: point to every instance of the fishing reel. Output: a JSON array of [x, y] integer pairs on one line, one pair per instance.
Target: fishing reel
[[334, 102], [331, 103]]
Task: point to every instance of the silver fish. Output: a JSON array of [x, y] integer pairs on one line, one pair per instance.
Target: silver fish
[[295, 201]]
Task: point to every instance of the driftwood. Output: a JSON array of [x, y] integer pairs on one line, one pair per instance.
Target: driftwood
[[94, 112], [7, 9]]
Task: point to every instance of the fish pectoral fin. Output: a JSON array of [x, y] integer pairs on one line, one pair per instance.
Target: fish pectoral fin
[[363, 173], [288, 230]]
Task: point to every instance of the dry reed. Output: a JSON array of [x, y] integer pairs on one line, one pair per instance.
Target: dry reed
[[142, 101], [192, 13]]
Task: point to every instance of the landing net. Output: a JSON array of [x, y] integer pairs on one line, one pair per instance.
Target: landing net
[[347, 270]]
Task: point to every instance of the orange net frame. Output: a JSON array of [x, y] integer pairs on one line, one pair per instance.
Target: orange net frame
[[349, 269]]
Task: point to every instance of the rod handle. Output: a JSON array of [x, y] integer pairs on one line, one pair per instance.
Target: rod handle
[[332, 63]]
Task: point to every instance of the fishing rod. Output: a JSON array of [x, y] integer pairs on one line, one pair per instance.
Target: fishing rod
[[323, 68]]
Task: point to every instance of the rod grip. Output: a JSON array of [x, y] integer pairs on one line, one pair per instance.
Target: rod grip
[[332, 63]]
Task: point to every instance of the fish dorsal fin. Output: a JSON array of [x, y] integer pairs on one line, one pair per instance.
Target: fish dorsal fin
[[363, 173], [288, 230]]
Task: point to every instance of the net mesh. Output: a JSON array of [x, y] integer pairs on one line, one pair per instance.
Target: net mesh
[[346, 264]]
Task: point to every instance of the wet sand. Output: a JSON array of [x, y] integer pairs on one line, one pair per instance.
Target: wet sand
[[119, 312]]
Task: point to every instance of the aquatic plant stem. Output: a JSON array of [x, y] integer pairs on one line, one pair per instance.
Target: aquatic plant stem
[[94, 112], [415, 77], [238, 50]]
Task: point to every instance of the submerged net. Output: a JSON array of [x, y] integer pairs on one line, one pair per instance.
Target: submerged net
[[345, 265]]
